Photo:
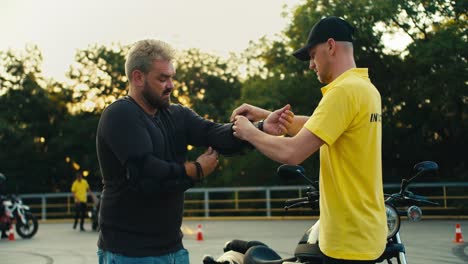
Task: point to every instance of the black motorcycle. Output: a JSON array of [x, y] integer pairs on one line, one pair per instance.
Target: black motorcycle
[[93, 215], [307, 250], [13, 211]]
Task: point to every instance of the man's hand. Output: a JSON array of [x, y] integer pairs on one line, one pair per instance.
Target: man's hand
[[279, 121], [208, 161], [253, 113], [243, 127]]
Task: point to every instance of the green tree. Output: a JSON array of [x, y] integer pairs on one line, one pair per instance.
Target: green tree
[[430, 104], [29, 116], [98, 77], [206, 83], [419, 123]]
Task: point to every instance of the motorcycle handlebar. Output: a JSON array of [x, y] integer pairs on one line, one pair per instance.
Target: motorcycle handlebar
[[411, 199], [296, 205], [425, 201], [296, 200]]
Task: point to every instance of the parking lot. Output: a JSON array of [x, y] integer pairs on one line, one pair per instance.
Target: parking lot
[[426, 242]]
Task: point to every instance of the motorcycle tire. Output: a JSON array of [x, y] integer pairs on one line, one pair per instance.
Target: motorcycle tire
[[28, 230], [95, 225]]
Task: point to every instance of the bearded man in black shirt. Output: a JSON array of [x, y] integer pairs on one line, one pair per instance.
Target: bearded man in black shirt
[[142, 150]]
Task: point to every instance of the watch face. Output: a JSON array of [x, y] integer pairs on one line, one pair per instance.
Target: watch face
[[260, 125]]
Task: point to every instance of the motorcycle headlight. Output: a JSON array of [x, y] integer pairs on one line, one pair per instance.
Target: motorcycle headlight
[[414, 213], [393, 220]]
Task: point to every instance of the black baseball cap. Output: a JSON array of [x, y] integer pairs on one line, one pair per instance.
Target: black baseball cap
[[329, 27]]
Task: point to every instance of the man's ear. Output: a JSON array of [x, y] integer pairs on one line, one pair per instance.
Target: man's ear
[[331, 45], [138, 78]]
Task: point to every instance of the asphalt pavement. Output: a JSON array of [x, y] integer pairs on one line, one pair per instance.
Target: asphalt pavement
[[426, 242]]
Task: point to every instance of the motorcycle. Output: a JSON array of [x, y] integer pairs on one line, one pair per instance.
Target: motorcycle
[[93, 214], [13, 211], [402, 203]]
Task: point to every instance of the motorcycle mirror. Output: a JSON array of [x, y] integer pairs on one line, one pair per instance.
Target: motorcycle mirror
[[424, 167], [414, 213], [289, 171]]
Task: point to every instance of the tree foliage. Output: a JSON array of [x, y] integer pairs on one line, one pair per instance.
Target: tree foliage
[[30, 115], [98, 77], [47, 129], [206, 83], [423, 88]]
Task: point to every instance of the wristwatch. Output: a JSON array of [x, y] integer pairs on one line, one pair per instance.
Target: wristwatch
[[260, 125]]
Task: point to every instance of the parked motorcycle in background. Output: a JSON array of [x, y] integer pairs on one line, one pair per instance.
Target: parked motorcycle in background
[[403, 203], [93, 214], [13, 211]]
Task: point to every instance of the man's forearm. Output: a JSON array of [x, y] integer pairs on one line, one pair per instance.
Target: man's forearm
[[262, 114], [276, 148], [191, 170], [297, 124], [289, 150]]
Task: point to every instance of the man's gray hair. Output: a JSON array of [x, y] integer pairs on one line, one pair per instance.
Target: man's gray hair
[[141, 55]]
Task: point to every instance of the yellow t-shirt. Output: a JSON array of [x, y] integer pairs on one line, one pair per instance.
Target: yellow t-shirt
[[80, 188], [352, 211]]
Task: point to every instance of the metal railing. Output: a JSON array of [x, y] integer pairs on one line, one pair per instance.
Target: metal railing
[[257, 201]]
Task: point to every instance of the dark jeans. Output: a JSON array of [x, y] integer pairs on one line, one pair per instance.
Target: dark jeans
[[80, 212], [328, 260], [178, 257]]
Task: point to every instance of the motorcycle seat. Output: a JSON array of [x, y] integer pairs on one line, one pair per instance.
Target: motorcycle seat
[[262, 255], [308, 252], [241, 246]]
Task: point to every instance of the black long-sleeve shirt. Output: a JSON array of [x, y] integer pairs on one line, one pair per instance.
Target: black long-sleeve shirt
[[142, 164]]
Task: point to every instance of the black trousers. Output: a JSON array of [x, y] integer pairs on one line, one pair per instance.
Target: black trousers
[[80, 212], [328, 260]]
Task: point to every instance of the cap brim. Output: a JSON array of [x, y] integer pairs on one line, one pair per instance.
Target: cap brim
[[302, 53]]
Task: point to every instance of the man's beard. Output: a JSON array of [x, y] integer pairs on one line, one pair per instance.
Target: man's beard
[[156, 101]]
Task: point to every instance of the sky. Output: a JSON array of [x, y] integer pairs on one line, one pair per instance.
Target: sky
[[61, 27]]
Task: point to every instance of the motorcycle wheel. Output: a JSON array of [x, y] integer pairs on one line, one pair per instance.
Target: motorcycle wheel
[[95, 225], [29, 229]]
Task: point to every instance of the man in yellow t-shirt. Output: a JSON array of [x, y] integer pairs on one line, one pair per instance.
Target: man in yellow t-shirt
[[80, 189], [346, 127]]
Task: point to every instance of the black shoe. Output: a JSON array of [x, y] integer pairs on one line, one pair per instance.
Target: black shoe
[[82, 229]]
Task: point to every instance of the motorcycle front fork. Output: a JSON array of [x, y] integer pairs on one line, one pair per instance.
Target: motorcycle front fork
[[401, 256], [22, 216]]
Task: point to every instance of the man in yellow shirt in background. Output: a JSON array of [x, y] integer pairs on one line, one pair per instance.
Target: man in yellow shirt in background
[[80, 189], [346, 127]]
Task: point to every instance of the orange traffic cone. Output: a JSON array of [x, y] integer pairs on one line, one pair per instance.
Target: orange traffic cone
[[199, 233], [458, 234], [11, 233]]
